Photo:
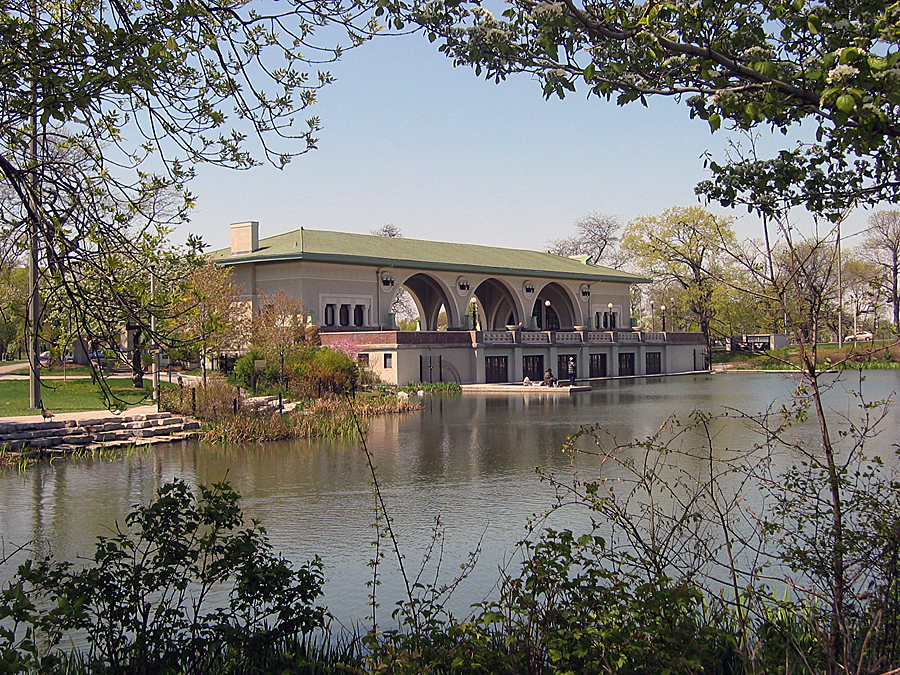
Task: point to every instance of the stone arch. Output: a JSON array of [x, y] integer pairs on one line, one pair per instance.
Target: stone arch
[[497, 305], [560, 313], [430, 295]]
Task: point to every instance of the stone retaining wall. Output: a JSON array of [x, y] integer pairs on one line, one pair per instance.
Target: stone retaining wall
[[43, 438]]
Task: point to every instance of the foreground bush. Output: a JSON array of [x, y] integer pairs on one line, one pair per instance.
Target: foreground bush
[[186, 587]]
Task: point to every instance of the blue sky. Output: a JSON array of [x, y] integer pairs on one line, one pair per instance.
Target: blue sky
[[408, 139]]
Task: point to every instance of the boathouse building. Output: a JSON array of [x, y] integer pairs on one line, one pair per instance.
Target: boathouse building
[[534, 310]]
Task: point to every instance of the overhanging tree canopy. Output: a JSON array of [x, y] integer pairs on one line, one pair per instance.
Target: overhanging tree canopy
[[105, 106], [746, 62]]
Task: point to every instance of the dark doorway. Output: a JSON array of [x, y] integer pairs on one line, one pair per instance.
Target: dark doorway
[[654, 363], [495, 369], [533, 367], [598, 365], [626, 363]]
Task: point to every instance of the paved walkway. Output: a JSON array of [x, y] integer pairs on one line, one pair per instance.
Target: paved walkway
[[86, 415]]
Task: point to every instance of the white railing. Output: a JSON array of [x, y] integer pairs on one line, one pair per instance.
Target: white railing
[[628, 337], [599, 336]]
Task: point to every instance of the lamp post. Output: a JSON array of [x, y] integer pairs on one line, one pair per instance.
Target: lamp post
[[546, 325], [663, 308], [652, 318], [612, 317]]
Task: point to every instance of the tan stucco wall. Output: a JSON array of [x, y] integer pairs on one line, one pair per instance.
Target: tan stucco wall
[[319, 284]]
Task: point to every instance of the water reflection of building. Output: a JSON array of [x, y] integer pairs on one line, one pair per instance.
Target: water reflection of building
[[486, 314]]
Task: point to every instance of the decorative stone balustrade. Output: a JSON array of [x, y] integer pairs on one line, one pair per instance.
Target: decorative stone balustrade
[[535, 338], [498, 337], [599, 336], [564, 338], [567, 337]]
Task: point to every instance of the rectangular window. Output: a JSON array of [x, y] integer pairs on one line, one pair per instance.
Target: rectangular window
[[533, 367], [654, 363], [388, 361], [362, 359], [598, 365], [495, 369], [626, 363]]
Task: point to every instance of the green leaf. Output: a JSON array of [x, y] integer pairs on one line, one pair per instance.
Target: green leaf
[[846, 102], [814, 24]]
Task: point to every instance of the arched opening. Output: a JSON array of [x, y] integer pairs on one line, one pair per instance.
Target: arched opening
[[552, 309], [430, 301], [496, 306]]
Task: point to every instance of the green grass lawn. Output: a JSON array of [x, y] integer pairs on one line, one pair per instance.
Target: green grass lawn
[[67, 396], [877, 354]]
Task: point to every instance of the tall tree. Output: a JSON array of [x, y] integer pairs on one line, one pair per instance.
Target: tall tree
[[214, 319], [683, 247], [830, 65], [13, 291], [106, 106], [281, 330], [596, 238], [881, 246], [860, 287]]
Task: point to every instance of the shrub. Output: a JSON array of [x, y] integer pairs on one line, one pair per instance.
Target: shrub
[[322, 371], [186, 587], [246, 375], [213, 402]]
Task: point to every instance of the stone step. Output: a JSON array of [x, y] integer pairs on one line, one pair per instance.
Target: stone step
[[55, 438]]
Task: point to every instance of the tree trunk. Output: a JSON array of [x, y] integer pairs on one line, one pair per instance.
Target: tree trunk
[[833, 648], [137, 365]]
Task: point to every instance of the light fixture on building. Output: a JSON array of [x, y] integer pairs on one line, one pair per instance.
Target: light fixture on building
[[387, 280], [585, 291]]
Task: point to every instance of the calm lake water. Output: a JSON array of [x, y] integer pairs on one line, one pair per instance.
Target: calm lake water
[[469, 460]]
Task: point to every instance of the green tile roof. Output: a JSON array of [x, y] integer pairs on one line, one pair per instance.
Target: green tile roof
[[365, 249]]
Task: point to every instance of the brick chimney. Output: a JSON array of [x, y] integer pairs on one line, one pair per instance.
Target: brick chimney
[[244, 237]]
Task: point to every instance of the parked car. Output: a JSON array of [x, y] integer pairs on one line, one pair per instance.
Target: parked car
[[44, 359], [865, 336]]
